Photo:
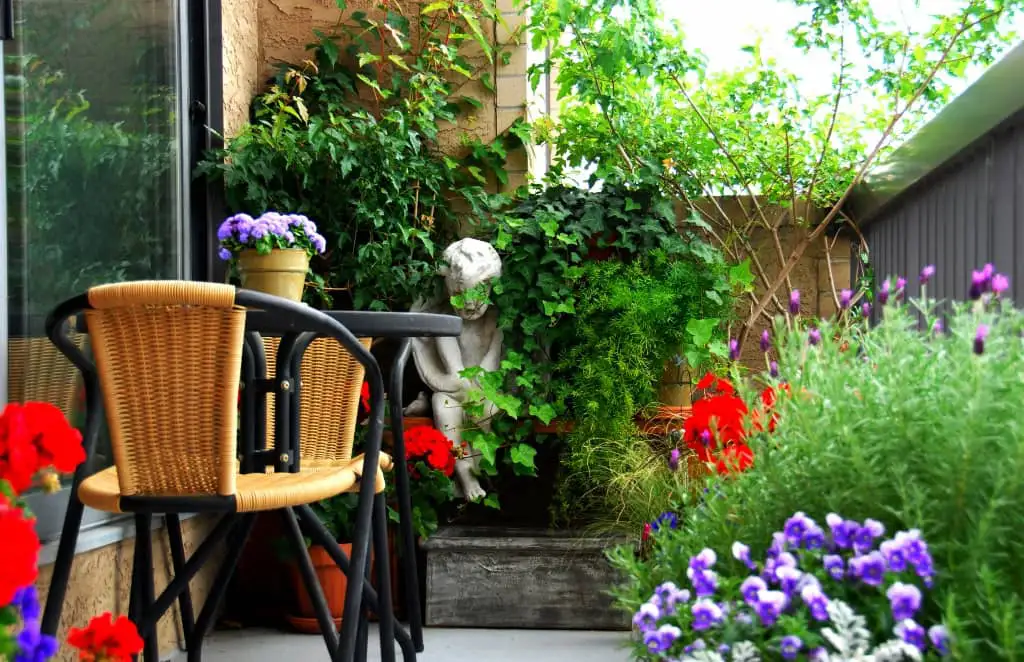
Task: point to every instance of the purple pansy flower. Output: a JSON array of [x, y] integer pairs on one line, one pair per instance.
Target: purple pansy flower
[[647, 616], [834, 566], [660, 640], [769, 606], [939, 637], [904, 599], [790, 646], [816, 601], [909, 631], [741, 553], [895, 555], [795, 527], [869, 568], [751, 588], [706, 614]]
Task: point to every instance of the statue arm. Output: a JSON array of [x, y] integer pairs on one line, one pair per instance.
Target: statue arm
[[492, 359]]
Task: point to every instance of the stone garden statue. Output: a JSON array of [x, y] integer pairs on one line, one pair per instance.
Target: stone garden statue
[[468, 264]]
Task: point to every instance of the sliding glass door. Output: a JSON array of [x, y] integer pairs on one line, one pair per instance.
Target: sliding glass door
[[96, 169]]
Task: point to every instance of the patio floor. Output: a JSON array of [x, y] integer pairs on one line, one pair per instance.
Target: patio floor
[[442, 645]]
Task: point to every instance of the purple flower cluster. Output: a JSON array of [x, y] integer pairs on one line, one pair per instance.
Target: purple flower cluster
[[847, 555], [987, 280], [33, 646], [242, 231]]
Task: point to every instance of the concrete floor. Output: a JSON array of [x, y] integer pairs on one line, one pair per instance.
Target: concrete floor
[[441, 645]]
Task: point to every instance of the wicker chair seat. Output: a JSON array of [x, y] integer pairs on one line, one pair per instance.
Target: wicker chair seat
[[253, 492]]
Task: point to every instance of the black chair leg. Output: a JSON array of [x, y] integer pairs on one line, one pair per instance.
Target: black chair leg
[[408, 536], [363, 632], [134, 605], [177, 545], [62, 565], [360, 561], [323, 537], [309, 578], [385, 610], [146, 594], [219, 589]]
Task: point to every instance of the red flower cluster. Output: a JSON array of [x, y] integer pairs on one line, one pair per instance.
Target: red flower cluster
[[430, 445], [35, 436], [364, 397], [715, 429], [19, 552], [106, 639]]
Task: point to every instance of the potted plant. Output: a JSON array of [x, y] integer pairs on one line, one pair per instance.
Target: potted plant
[[338, 516], [272, 251], [431, 460]]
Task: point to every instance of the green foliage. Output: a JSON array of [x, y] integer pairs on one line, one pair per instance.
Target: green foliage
[[338, 515], [350, 139], [631, 319], [582, 267], [640, 105], [76, 167], [910, 427]]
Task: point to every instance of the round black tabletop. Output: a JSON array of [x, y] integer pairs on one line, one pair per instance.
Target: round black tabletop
[[364, 324]]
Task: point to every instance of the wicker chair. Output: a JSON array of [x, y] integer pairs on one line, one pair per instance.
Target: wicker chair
[[36, 370], [168, 358]]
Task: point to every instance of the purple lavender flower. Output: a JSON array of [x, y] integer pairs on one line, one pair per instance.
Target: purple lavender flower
[[901, 287], [751, 588], [937, 327], [865, 309], [904, 599], [834, 566], [705, 438], [773, 369], [790, 646], [816, 601], [927, 273], [979, 339], [794, 302], [706, 614], [769, 606], [939, 637], [912, 633], [869, 568], [673, 460], [1000, 284], [883, 293], [845, 298], [26, 600], [766, 341], [33, 646], [814, 337], [660, 640], [668, 520], [741, 553], [646, 617], [734, 349], [981, 281]]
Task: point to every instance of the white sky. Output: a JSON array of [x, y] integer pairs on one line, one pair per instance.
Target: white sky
[[721, 28]]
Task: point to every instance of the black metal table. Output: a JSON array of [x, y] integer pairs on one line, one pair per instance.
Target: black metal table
[[287, 434]]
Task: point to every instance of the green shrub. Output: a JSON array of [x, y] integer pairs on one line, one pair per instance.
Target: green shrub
[[899, 423]]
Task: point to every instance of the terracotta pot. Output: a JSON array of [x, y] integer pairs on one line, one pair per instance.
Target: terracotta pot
[[333, 583], [675, 388], [554, 427], [282, 272]]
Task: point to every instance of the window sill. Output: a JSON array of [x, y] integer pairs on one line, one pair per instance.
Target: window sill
[[108, 533]]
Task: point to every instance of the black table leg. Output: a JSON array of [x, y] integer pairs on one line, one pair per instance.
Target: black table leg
[[408, 552]]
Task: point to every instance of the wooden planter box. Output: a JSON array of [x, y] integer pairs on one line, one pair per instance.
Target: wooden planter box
[[517, 578]]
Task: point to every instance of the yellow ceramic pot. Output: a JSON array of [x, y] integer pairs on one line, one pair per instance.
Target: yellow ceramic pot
[[282, 272]]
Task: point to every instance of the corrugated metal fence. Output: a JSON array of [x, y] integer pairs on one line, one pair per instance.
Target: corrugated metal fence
[[965, 213]]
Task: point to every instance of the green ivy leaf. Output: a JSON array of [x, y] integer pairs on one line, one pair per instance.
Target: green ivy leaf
[[544, 412], [701, 330]]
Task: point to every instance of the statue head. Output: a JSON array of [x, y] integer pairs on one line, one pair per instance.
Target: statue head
[[470, 264]]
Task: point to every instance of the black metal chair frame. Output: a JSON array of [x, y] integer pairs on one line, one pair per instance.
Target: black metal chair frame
[[145, 608]]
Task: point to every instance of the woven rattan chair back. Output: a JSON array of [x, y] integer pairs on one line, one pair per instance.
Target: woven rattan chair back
[[38, 371], [168, 355], [331, 381]]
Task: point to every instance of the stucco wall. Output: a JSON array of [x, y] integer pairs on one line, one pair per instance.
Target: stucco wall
[[100, 581], [261, 34]]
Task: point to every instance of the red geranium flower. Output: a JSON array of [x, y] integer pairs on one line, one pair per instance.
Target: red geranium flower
[[35, 436], [364, 396], [735, 458], [430, 445], [714, 421], [720, 384], [18, 553], [107, 639], [768, 399]]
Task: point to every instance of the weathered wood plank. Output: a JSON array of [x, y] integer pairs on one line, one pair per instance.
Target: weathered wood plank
[[507, 578]]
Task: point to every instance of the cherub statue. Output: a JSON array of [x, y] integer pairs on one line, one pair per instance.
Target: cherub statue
[[469, 265]]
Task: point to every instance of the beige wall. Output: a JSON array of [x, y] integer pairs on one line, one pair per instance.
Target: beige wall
[[810, 275], [260, 34], [100, 581]]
